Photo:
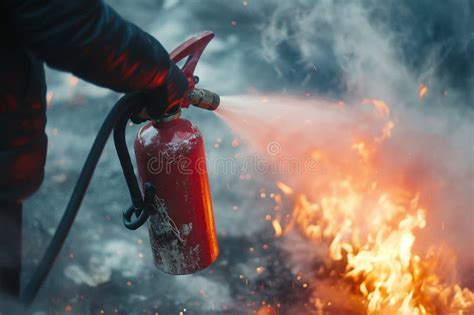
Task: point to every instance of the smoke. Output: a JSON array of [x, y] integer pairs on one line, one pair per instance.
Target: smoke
[[106, 258], [386, 50], [214, 294], [372, 48], [334, 38]]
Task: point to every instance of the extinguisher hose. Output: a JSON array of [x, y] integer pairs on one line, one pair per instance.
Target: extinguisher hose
[[125, 107]]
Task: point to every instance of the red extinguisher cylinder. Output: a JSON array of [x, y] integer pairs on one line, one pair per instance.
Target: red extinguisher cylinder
[[170, 156]]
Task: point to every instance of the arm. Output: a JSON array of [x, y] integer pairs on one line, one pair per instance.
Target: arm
[[89, 39]]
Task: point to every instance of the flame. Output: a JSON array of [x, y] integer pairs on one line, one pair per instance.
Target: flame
[[369, 225], [277, 227], [266, 310], [361, 149], [380, 107], [284, 188], [386, 131]]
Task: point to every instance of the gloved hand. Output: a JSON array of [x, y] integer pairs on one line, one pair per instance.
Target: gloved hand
[[169, 95]]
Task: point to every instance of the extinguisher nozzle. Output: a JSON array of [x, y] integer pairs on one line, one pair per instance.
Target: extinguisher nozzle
[[204, 99]]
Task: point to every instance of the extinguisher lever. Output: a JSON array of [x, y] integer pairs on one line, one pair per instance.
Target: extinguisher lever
[[192, 50]]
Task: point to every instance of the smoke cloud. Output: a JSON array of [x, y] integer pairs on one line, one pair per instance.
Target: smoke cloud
[[387, 50]]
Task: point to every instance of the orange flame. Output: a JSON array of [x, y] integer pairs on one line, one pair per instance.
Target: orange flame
[[284, 188], [370, 226], [277, 227], [380, 106], [266, 310]]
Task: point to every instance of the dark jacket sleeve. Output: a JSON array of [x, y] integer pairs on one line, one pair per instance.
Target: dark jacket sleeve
[[89, 39]]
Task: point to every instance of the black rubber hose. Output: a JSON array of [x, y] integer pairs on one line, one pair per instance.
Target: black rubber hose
[[135, 216], [125, 162], [125, 106]]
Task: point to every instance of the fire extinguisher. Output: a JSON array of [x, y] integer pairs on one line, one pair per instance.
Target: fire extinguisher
[[171, 163], [173, 194]]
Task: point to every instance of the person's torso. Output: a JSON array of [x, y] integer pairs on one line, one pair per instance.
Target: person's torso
[[22, 90], [22, 116]]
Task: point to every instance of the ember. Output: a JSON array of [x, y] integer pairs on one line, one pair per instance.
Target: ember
[[423, 89]]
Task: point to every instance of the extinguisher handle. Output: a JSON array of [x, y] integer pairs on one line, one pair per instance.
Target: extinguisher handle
[[191, 49]]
